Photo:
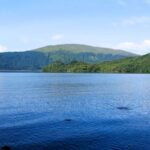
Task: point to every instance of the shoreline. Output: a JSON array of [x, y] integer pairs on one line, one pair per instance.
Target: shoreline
[[40, 71]]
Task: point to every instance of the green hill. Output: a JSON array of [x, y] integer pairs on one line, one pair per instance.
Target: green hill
[[128, 65], [78, 48], [38, 58]]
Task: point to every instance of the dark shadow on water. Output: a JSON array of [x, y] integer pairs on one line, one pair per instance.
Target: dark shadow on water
[[115, 134], [96, 141], [123, 108], [68, 120], [6, 148]]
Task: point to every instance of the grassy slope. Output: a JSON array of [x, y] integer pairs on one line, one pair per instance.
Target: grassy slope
[[78, 48]]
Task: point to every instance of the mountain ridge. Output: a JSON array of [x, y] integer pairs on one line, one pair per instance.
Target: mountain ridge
[[82, 48], [36, 59]]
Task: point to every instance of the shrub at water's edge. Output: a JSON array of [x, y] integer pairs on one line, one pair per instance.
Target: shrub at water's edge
[[127, 65]]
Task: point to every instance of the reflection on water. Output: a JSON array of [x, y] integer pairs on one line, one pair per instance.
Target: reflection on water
[[75, 111]]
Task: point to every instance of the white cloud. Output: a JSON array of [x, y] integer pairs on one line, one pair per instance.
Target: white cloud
[[133, 21], [139, 48], [3, 48], [57, 37]]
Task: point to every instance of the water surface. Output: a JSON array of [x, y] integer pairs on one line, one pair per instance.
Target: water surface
[[75, 111]]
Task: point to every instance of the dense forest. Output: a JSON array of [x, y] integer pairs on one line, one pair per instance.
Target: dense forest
[[139, 64], [38, 58]]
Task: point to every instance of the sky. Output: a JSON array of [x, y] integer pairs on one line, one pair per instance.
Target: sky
[[119, 24]]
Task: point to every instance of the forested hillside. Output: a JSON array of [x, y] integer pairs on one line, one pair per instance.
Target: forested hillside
[[128, 65], [38, 58]]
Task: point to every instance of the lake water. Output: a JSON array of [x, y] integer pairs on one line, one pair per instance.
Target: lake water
[[75, 111]]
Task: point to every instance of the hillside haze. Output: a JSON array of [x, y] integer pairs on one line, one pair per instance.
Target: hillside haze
[[38, 58]]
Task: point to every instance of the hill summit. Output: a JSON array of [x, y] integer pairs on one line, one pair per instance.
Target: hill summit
[[38, 58], [80, 48]]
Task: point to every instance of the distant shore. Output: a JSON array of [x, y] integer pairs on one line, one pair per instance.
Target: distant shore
[[30, 71], [20, 71]]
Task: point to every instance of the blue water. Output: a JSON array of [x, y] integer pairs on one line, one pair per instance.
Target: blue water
[[75, 111]]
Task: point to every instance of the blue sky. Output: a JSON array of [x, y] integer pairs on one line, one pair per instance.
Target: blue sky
[[121, 24]]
